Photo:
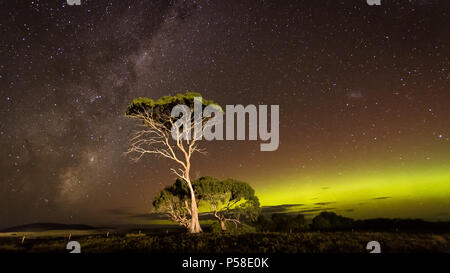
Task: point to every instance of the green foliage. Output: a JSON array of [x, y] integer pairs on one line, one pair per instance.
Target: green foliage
[[331, 221], [229, 198], [165, 104], [177, 192], [173, 201]]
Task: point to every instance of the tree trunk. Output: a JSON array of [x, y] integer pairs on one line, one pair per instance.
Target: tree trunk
[[194, 226], [222, 225]]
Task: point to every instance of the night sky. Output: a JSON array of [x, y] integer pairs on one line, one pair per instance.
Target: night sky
[[364, 95]]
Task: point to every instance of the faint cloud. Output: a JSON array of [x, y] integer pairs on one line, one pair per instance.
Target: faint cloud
[[381, 198]]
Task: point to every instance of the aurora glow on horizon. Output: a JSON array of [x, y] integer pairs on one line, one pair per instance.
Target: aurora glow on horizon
[[360, 196], [363, 94]]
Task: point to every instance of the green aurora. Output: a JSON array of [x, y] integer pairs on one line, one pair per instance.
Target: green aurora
[[406, 193]]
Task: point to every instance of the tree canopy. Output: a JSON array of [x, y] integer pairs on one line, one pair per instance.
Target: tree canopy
[[281, 222], [161, 108], [330, 220], [229, 200], [173, 200]]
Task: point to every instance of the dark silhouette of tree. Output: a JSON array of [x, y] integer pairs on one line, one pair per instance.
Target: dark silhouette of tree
[[264, 224], [331, 221], [283, 222]]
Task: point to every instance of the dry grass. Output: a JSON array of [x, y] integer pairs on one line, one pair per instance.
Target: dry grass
[[308, 242]]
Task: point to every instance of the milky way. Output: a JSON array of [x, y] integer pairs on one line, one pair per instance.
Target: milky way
[[363, 91]]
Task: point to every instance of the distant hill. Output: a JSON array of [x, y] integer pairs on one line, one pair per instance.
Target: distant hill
[[46, 226]]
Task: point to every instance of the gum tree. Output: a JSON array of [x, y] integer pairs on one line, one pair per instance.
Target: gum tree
[[155, 136], [173, 201], [230, 200]]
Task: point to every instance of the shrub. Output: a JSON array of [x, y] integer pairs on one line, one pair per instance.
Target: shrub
[[331, 221], [281, 222]]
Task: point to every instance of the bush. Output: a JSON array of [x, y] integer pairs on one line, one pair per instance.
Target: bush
[[281, 222], [331, 221], [263, 224], [288, 223]]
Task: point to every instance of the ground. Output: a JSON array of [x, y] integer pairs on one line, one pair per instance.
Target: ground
[[165, 241]]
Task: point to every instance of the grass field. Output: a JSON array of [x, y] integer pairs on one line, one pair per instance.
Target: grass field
[[99, 241]]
